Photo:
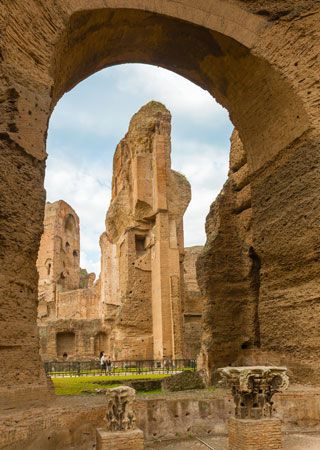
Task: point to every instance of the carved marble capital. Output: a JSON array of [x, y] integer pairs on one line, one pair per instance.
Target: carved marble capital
[[120, 409], [253, 388]]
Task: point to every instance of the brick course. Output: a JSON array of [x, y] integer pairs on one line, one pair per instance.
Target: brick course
[[120, 440], [248, 434]]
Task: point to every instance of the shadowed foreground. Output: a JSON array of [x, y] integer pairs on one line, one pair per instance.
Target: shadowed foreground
[[292, 442]]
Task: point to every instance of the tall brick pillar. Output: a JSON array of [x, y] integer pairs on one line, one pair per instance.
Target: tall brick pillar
[[22, 377], [253, 427]]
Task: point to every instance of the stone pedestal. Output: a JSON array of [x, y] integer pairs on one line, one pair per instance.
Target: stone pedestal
[[254, 428], [120, 440], [120, 432], [251, 434]]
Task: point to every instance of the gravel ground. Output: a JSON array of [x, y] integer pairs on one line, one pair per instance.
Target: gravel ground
[[291, 442]]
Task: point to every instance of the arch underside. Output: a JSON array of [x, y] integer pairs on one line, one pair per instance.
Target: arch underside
[[262, 104]]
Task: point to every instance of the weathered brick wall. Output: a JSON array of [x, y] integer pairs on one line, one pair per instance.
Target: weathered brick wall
[[193, 303], [264, 434], [143, 244], [90, 337], [258, 58], [78, 304], [120, 440], [58, 260]]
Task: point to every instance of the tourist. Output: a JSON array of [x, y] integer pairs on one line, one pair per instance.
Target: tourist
[[103, 363], [109, 365]]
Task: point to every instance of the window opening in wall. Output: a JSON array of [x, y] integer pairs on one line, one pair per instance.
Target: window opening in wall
[[100, 343], [70, 223], [49, 269], [140, 244], [246, 345], [65, 343], [61, 280]]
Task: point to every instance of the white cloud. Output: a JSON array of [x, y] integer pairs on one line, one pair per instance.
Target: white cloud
[[82, 188], [117, 90], [90, 264], [99, 109], [179, 95], [206, 168]]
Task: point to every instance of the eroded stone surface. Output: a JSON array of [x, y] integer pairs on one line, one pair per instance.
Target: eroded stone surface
[[253, 389], [120, 414], [258, 434], [70, 321], [147, 295], [193, 304], [229, 270], [143, 245], [124, 440], [71, 421], [248, 268], [265, 72]]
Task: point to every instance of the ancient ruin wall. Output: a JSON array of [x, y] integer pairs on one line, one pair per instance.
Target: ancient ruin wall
[[69, 317], [231, 315], [143, 244], [141, 292], [194, 302], [241, 323], [58, 261], [258, 58]]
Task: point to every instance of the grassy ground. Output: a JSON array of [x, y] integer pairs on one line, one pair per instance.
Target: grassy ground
[[120, 370], [87, 385]]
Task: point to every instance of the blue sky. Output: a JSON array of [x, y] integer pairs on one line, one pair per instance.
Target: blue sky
[[89, 121]]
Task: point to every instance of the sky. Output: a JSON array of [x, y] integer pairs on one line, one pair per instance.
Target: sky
[[90, 120]]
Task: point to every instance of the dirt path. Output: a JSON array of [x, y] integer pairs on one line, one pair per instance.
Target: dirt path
[[291, 442]]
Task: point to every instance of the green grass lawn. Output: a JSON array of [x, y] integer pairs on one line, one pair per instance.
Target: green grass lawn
[[87, 385], [117, 371]]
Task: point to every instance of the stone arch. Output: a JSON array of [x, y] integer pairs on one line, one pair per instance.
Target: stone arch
[[69, 225], [259, 99], [247, 63], [66, 343], [100, 343]]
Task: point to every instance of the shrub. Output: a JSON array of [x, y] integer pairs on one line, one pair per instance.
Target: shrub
[[183, 381]]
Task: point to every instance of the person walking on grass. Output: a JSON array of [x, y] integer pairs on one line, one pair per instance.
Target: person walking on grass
[[103, 362]]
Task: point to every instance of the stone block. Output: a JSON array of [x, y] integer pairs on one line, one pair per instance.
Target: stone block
[[120, 440], [250, 434]]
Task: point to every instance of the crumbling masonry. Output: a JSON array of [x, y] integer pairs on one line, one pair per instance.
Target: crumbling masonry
[[141, 307], [260, 60]]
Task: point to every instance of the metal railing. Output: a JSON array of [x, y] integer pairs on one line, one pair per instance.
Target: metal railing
[[141, 367]]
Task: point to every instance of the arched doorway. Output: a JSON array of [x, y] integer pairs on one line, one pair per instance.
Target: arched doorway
[[100, 343], [225, 49], [65, 342]]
